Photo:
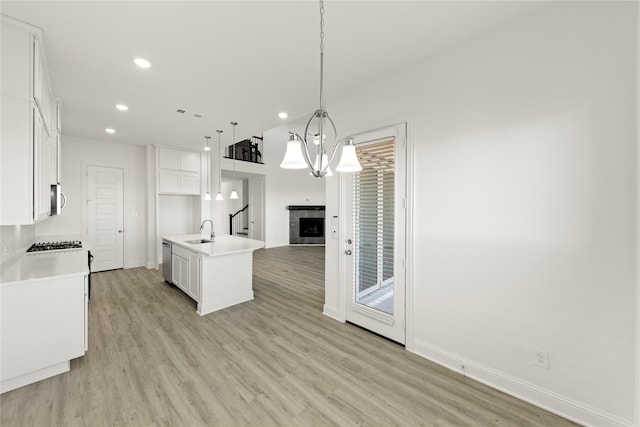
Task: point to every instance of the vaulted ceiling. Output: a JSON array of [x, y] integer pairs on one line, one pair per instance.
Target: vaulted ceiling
[[235, 60]]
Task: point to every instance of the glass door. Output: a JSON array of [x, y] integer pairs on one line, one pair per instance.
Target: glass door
[[375, 245]]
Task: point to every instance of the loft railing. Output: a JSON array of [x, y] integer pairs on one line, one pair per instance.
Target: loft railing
[[247, 150], [239, 222]]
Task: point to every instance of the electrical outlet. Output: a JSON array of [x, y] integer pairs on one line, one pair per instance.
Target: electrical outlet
[[5, 250], [541, 358]]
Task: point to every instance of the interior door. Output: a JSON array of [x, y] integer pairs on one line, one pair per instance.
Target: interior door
[[105, 217], [374, 247], [256, 207]]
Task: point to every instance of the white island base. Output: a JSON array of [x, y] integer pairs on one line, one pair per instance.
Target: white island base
[[217, 274], [226, 280]]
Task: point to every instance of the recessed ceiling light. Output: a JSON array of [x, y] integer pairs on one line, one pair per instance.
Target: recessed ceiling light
[[109, 130], [122, 107], [142, 63], [283, 115]]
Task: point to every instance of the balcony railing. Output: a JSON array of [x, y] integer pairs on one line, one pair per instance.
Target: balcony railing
[[247, 150]]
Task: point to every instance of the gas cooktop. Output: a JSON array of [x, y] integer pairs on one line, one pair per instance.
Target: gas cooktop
[[55, 246]]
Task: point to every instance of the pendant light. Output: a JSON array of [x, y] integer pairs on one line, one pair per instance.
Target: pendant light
[[297, 155], [207, 195], [234, 193], [219, 196]]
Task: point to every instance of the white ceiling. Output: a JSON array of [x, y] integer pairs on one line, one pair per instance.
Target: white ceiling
[[235, 60]]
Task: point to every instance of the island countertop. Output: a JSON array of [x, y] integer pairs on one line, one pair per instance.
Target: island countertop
[[223, 244]]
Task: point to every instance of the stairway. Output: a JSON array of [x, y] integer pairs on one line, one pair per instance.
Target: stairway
[[239, 223]]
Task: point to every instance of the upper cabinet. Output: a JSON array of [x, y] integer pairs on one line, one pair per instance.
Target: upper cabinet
[[30, 127], [178, 172]]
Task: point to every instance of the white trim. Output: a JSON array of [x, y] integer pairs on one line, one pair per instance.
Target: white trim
[[538, 396], [32, 377], [332, 312], [396, 129], [208, 307], [637, 260], [378, 315], [409, 239]]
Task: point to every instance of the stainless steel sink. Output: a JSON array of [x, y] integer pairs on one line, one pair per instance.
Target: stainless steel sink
[[199, 241]]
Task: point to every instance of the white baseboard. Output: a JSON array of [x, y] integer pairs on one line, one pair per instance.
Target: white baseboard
[[331, 312], [545, 399], [209, 306], [32, 377]]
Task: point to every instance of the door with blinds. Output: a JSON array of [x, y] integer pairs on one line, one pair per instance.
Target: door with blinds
[[375, 229]]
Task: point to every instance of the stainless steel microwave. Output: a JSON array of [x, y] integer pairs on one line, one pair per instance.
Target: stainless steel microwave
[[57, 199]]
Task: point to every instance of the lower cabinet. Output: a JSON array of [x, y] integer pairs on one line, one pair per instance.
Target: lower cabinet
[[193, 287], [44, 326], [185, 271], [179, 271]]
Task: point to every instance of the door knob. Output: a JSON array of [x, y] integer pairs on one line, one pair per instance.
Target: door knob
[[348, 252], [349, 241]]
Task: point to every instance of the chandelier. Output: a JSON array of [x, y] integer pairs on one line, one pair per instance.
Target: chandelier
[[300, 147]]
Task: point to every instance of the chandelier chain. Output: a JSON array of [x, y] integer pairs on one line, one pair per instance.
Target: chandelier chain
[[321, 26]]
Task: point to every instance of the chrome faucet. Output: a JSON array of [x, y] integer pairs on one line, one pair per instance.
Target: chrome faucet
[[213, 235]]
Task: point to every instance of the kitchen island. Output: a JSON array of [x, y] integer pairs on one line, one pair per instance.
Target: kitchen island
[[215, 274]]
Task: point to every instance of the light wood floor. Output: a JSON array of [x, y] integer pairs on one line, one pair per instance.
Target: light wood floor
[[272, 361]]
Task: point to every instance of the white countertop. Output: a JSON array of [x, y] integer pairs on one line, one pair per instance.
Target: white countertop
[[44, 265], [223, 245]]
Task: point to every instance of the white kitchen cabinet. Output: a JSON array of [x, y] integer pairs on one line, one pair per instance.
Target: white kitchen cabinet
[[189, 183], [189, 161], [185, 271], [178, 172], [169, 181], [193, 287], [180, 271], [168, 159], [44, 326], [30, 152]]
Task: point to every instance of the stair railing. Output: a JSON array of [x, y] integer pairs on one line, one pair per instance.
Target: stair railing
[[247, 150], [238, 220]]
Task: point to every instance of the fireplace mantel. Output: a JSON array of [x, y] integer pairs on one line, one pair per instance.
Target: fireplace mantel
[[305, 208]]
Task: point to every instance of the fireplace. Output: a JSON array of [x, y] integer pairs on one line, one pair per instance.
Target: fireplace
[[311, 227], [306, 225]]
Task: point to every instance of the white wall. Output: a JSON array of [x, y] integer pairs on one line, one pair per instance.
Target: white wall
[[77, 153], [524, 201], [178, 214], [14, 241]]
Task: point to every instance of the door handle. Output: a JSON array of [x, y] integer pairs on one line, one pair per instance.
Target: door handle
[[120, 231], [348, 252]]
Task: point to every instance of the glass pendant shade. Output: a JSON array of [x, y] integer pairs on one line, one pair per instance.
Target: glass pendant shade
[[234, 194], [207, 196], [293, 158], [349, 160], [219, 196], [325, 164]]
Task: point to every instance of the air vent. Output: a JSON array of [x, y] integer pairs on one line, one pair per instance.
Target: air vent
[[189, 113]]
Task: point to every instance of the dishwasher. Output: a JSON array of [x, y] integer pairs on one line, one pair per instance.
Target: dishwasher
[[166, 261]]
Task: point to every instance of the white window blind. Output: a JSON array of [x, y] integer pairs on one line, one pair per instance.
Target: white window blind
[[373, 216]]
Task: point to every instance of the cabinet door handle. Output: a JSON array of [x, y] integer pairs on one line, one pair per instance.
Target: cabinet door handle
[[120, 231], [348, 252]]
